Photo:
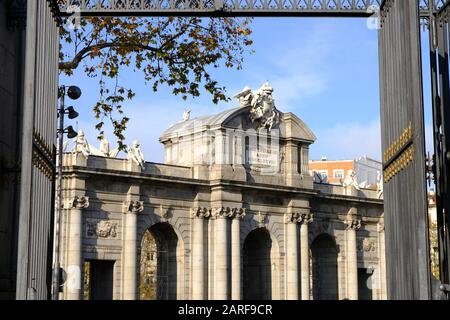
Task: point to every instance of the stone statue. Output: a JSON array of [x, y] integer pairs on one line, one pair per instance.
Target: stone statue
[[263, 111], [135, 154], [104, 149], [380, 184], [186, 115], [104, 146], [81, 145], [351, 181]]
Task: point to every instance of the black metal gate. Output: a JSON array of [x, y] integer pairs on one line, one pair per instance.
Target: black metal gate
[[402, 126], [35, 239], [401, 117]]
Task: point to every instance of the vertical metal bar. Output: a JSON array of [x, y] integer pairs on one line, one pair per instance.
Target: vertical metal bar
[[444, 86], [26, 170], [59, 196]]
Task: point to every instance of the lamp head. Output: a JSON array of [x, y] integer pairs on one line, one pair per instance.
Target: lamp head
[[74, 92], [72, 114], [71, 133]]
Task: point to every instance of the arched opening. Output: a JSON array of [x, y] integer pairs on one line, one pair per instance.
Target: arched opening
[[325, 268], [158, 267], [257, 273]]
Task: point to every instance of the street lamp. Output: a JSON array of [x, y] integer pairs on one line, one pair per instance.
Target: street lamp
[[73, 93]]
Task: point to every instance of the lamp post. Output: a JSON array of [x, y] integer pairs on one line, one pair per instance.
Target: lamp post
[[73, 93]]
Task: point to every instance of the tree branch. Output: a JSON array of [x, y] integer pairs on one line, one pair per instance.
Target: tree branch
[[73, 64]]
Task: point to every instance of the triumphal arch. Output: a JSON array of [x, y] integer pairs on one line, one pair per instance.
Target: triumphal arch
[[232, 213]]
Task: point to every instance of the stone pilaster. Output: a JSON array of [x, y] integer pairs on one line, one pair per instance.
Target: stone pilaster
[[236, 267], [198, 264], [306, 219], [353, 224], [74, 269], [291, 219], [293, 177], [129, 262]]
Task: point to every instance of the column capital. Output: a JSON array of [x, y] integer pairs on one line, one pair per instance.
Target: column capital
[[380, 226], [298, 217], [221, 212], [237, 213], [306, 218], [353, 224], [352, 221], [78, 202], [200, 212], [133, 207], [292, 217]]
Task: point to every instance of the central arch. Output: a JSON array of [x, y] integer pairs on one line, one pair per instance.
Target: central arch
[[158, 263], [260, 266]]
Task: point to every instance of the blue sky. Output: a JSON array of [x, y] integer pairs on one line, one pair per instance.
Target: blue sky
[[323, 70]]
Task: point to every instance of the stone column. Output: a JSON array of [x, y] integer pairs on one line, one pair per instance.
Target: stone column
[[129, 262], [292, 256], [74, 283], [198, 264], [221, 259], [382, 259], [353, 224], [237, 215], [306, 219]]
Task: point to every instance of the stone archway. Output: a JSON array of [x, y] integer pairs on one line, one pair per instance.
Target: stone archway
[[325, 268], [258, 261], [158, 263]]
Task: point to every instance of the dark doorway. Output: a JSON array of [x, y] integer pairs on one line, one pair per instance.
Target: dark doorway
[[99, 275], [158, 268], [324, 268], [364, 284], [257, 266]]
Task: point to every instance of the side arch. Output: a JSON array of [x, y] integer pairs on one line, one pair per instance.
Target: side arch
[[162, 259], [261, 265], [324, 256]]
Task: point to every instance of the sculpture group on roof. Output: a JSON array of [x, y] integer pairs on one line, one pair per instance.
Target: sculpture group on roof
[[263, 112], [81, 145]]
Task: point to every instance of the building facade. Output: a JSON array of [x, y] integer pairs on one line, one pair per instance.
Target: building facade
[[368, 171], [233, 213]]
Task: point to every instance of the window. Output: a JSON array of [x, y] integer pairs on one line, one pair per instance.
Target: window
[[338, 174]]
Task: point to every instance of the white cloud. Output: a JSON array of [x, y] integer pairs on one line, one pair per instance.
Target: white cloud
[[348, 141]]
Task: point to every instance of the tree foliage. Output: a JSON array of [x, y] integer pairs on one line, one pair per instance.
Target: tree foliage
[[179, 52]]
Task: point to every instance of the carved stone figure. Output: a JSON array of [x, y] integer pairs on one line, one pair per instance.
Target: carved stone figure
[[102, 229], [263, 112], [351, 181], [186, 115], [81, 145], [380, 184], [135, 154], [104, 149]]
